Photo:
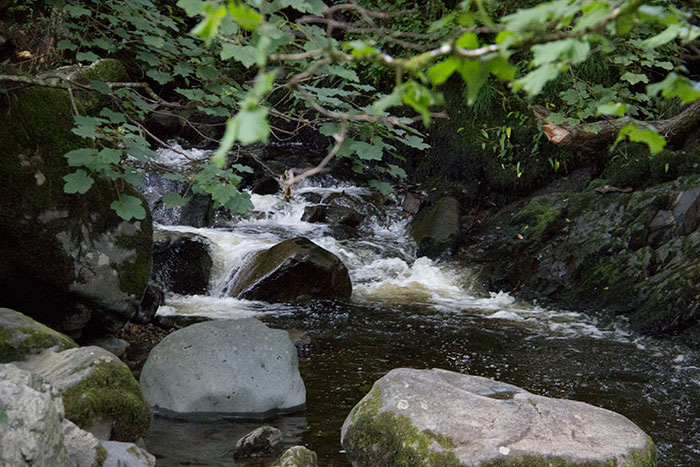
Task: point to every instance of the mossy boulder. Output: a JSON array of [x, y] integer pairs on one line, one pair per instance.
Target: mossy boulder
[[93, 265], [99, 392], [442, 418], [21, 336], [292, 270], [631, 253], [436, 228]]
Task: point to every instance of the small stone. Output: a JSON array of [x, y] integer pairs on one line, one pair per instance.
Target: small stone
[[265, 441], [297, 456]]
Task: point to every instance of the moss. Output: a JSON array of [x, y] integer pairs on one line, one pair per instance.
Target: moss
[[31, 340], [540, 216], [110, 393], [100, 455], [134, 275], [385, 439]]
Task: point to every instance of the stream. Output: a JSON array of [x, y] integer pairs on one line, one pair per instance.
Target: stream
[[416, 312]]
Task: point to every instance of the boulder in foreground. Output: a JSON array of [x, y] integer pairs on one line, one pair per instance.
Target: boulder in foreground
[[437, 417]]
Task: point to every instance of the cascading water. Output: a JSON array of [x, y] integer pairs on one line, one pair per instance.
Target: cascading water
[[408, 311]]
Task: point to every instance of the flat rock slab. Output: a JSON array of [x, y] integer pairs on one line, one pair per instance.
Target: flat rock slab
[[21, 336], [233, 367], [438, 417]]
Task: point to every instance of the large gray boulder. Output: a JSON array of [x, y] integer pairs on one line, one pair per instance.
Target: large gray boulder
[[99, 392], [437, 417], [436, 228], [21, 336], [292, 270], [92, 264], [238, 367]]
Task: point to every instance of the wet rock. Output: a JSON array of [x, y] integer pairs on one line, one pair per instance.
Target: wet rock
[[436, 228], [84, 450], [31, 432], [198, 212], [267, 185], [99, 392], [72, 248], [111, 344], [179, 321], [301, 340], [126, 454], [630, 253], [238, 367], [411, 204], [152, 299], [438, 417], [182, 262], [332, 215], [292, 270], [297, 456], [265, 441], [21, 336], [686, 210]]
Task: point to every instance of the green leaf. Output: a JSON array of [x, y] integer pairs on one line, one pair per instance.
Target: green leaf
[[675, 85], [174, 177], [651, 138], [159, 76], [86, 57], [245, 54], [208, 27], [440, 72], [172, 200], [240, 203], [100, 87], [77, 182], [77, 11], [534, 82], [129, 207], [246, 17], [114, 117], [183, 69], [366, 151], [3, 416], [396, 171], [191, 7], [634, 78], [81, 157], [384, 187], [612, 108], [667, 35], [65, 44]]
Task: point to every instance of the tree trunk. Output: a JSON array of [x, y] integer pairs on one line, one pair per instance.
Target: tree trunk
[[585, 138]]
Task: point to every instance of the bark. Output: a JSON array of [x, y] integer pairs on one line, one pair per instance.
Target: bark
[[585, 138]]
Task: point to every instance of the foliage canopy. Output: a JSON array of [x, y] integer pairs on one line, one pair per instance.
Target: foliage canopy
[[306, 63]]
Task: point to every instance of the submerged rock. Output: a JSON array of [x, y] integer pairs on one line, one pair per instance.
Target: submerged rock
[[436, 228], [92, 264], [21, 336], [292, 270], [182, 262], [99, 392], [437, 417], [236, 367], [265, 441]]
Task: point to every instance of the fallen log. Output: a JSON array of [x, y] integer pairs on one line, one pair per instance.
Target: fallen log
[[597, 136]]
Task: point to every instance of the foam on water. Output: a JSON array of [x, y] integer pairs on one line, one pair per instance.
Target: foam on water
[[382, 266]]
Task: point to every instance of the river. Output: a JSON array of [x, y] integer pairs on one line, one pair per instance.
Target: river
[[416, 312]]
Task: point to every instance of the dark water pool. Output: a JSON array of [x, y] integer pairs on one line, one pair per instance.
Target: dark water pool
[[655, 383]]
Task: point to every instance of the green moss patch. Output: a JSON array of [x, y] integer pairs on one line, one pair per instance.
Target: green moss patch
[[21, 336], [110, 393], [385, 439]]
